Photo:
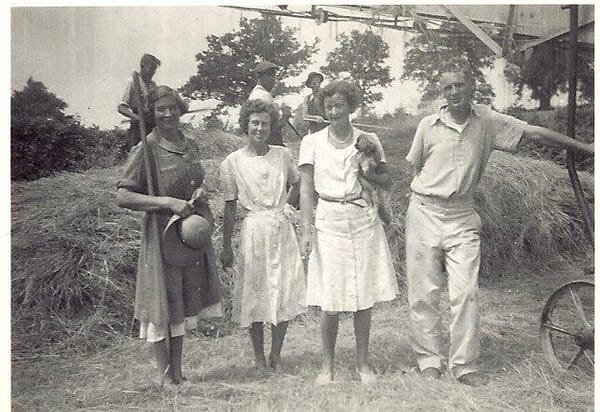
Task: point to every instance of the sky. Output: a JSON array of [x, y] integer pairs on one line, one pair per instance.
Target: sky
[[85, 55]]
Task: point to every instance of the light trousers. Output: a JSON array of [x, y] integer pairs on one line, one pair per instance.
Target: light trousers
[[442, 241]]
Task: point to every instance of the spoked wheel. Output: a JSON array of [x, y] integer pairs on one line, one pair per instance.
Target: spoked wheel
[[567, 327]]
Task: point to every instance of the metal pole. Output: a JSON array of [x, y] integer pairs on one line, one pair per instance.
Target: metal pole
[[571, 119]]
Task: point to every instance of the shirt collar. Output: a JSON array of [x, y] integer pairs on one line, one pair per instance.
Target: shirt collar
[[167, 145], [439, 114]]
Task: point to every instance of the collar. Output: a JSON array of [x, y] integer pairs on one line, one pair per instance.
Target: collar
[[167, 145], [443, 109]]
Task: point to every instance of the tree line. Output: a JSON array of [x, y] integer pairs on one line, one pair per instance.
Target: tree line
[[45, 140]]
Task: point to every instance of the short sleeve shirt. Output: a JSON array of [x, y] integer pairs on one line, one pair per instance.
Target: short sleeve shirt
[[451, 161], [335, 170], [145, 89], [258, 182]]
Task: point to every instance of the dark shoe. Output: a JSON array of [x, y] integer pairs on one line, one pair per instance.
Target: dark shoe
[[433, 373], [474, 379]]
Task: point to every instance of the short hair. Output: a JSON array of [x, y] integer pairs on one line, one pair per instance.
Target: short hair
[[351, 92], [149, 59], [457, 67], [257, 106], [164, 91]]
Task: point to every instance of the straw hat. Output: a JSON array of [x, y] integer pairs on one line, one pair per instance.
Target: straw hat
[[185, 239], [313, 74]]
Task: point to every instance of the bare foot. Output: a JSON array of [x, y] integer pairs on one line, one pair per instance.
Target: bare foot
[[324, 377], [275, 362]]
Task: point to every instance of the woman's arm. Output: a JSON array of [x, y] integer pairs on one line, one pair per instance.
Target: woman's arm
[[550, 137], [138, 201], [228, 221], [307, 193]]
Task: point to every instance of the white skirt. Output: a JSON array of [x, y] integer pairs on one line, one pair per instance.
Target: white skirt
[[350, 266]]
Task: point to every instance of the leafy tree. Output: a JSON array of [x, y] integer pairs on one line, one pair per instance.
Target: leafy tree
[[36, 100], [225, 67], [363, 56], [429, 52], [43, 139], [545, 73]]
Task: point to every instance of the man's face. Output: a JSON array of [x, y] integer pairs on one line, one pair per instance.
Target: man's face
[[147, 70], [314, 84], [457, 89], [268, 79]]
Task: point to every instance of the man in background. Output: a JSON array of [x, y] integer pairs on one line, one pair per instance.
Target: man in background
[[128, 108], [266, 77]]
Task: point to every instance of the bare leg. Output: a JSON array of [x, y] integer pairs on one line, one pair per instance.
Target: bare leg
[[329, 331], [162, 357], [176, 354], [362, 329], [277, 336], [258, 343]]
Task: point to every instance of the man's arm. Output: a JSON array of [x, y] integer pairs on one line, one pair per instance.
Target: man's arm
[[552, 138]]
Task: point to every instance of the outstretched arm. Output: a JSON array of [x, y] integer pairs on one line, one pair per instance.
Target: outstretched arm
[[552, 138]]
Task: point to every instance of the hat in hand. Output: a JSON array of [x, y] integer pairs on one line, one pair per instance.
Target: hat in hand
[[185, 239]]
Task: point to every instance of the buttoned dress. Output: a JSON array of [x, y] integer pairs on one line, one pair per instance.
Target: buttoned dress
[[166, 294], [350, 265], [443, 229], [270, 282]]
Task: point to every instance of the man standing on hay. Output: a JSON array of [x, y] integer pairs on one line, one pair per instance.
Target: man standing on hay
[[449, 153], [148, 66], [266, 77]]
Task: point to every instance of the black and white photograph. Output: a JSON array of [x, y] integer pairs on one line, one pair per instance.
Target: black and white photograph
[[300, 207]]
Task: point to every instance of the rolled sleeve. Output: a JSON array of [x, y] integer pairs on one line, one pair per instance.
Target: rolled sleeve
[[134, 173], [507, 131], [228, 184], [415, 154]]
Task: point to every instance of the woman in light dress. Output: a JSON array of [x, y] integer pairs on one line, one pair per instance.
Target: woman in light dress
[[350, 265], [270, 283]]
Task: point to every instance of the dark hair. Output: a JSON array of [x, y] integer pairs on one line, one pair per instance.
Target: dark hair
[[257, 106], [351, 93], [149, 59], [163, 91]]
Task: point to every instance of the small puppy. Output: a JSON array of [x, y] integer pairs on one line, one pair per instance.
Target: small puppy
[[369, 159]]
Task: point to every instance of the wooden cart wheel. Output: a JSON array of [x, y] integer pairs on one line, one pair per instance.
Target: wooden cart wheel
[[567, 327]]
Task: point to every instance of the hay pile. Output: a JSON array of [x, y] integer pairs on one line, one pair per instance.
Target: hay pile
[[74, 252], [74, 255]]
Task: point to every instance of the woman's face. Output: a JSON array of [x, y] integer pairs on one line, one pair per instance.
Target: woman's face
[[336, 107], [167, 113], [259, 127]]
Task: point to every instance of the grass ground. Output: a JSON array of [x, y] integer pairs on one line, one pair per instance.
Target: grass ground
[[121, 375], [221, 375]]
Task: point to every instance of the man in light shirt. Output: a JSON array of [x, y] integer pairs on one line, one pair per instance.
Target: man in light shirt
[[266, 76], [449, 154]]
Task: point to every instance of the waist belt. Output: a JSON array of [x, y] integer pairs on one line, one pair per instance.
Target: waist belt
[[351, 201]]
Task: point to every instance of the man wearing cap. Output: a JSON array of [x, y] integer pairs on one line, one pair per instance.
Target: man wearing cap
[[127, 107], [312, 106], [266, 76]]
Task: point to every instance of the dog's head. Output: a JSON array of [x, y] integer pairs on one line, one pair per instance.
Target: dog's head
[[364, 144]]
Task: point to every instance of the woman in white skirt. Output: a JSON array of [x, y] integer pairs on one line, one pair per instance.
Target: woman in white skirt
[[350, 264], [270, 284]]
